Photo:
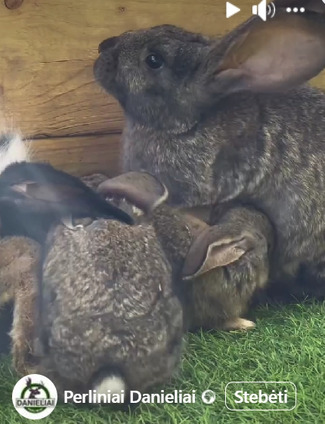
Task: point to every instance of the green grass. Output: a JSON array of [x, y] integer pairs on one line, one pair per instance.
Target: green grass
[[287, 345]]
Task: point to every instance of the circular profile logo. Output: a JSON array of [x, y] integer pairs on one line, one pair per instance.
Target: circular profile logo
[[34, 396], [208, 397]]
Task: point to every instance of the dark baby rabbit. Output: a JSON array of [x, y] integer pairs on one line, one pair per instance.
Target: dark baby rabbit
[[35, 196], [226, 120]]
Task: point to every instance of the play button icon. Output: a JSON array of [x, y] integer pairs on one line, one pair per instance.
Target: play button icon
[[231, 9]]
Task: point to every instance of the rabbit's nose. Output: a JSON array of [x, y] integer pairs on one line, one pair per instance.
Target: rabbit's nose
[[107, 44]]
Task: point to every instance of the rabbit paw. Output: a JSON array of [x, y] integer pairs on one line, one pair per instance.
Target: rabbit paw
[[239, 324], [22, 359]]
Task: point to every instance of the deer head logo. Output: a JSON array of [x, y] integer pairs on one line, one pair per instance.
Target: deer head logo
[[33, 390]]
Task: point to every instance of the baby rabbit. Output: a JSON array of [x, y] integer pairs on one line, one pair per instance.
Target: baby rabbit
[[111, 316], [19, 260], [110, 319], [226, 120], [33, 198], [225, 265], [19, 272]]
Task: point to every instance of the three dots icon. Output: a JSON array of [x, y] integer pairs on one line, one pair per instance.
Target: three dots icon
[[295, 9]]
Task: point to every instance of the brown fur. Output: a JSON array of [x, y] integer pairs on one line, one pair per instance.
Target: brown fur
[[216, 298], [213, 299], [220, 296], [19, 262], [214, 129], [108, 305]]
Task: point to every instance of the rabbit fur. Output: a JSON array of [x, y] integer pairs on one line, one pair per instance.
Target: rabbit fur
[[34, 197], [109, 308], [19, 262], [227, 122], [99, 314], [225, 265], [113, 305]]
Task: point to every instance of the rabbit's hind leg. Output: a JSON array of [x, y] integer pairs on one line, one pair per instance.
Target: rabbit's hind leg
[[23, 329], [6, 299], [19, 266]]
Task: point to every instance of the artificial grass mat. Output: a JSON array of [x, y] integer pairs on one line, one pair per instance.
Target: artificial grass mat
[[287, 345]]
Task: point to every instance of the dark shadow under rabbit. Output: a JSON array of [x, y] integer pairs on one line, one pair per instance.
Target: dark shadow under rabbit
[[227, 121]]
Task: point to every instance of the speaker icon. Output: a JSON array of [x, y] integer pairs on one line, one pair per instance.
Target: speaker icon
[[263, 10]]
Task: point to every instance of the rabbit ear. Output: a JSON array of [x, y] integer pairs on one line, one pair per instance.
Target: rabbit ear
[[278, 54], [38, 189], [212, 250], [139, 188]]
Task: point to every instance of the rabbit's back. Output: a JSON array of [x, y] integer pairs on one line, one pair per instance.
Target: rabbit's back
[[92, 263], [267, 150], [106, 302], [263, 131]]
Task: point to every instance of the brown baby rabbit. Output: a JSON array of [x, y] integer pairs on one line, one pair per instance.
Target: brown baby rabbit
[[110, 319], [19, 267], [226, 266], [19, 272], [111, 316], [217, 268], [227, 120]]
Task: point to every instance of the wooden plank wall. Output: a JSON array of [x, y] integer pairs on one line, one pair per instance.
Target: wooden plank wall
[[47, 49]]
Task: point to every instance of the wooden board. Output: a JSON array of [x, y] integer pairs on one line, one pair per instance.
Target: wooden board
[[80, 155], [48, 47]]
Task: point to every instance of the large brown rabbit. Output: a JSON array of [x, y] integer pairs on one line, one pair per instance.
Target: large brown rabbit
[[222, 121]]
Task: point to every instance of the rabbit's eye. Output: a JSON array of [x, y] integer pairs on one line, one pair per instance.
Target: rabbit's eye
[[154, 61]]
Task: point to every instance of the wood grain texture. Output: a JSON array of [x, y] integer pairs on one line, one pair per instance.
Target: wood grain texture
[[48, 47], [80, 155]]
